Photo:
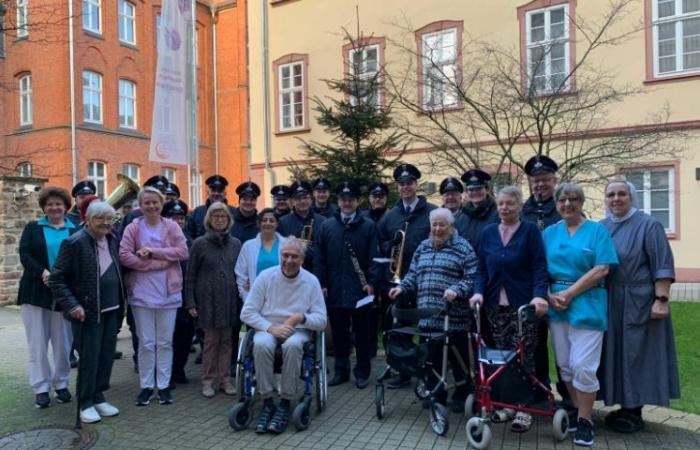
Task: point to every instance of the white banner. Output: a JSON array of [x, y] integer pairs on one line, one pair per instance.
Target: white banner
[[169, 131]]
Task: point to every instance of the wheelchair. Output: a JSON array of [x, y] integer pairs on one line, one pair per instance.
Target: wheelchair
[[406, 356], [313, 375]]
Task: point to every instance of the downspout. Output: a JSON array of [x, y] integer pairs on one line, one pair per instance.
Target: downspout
[[266, 92], [214, 18], [71, 57]]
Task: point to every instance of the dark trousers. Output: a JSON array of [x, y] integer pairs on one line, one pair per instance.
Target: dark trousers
[[459, 342], [134, 336], [360, 321], [236, 337], [182, 341], [96, 343]]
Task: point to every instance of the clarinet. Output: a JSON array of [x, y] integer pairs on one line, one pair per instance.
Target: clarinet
[[540, 212]]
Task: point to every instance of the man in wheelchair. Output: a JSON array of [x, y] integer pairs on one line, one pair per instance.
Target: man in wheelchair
[[285, 304]]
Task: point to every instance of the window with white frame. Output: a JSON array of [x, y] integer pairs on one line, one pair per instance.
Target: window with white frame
[[25, 100], [655, 191], [440, 59], [291, 92], [97, 173], [364, 68], [24, 169], [92, 15], [676, 34], [548, 49], [127, 19], [195, 188], [131, 171], [169, 173], [92, 97], [22, 18], [127, 104]]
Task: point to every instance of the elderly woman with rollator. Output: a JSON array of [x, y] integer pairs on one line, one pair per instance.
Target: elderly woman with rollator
[[512, 273], [86, 282], [442, 270], [639, 365], [579, 254]]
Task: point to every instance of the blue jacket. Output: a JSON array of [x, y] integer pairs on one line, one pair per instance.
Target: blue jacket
[[520, 267], [333, 266]]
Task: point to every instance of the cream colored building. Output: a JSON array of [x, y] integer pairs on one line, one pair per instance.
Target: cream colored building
[[295, 44]]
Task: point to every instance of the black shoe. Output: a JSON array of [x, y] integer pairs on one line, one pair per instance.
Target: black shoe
[[361, 382], [338, 378], [63, 395], [398, 382], [179, 378], [144, 397], [584, 433], [268, 409], [73, 360], [42, 400], [164, 397], [118, 355], [280, 419]]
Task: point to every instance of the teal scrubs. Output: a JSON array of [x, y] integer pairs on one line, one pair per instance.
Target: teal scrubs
[[267, 259], [54, 237], [568, 259]]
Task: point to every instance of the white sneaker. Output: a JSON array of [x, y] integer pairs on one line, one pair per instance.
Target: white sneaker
[[89, 415], [106, 410]]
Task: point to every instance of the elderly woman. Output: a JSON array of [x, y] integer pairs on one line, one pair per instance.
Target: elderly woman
[[211, 296], [639, 355], [43, 322], [260, 253], [86, 283], [443, 269], [512, 273], [579, 253], [153, 247]]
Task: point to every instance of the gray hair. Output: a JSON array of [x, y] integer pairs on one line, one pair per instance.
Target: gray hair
[[217, 206], [442, 213], [151, 190], [293, 241], [512, 191], [570, 188], [99, 209]]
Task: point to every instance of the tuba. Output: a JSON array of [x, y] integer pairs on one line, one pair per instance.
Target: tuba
[[126, 191], [305, 236], [397, 256]]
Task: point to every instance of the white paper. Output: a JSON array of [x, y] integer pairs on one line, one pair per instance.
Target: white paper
[[364, 301]]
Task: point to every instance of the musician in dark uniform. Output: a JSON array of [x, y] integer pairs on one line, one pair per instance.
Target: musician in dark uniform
[[344, 249], [280, 200], [216, 192], [245, 217], [377, 193], [172, 192], [410, 214], [80, 192], [301, 216], [157, 181], [480, 208], [451, 190], [322, 194], [541, 208]]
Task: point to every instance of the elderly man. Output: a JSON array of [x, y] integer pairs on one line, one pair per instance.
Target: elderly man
[[284, 305]]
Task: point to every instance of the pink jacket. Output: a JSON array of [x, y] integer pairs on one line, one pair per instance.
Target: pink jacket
[[168, 257]]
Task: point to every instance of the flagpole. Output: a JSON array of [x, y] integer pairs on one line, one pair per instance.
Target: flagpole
[[193, 158]]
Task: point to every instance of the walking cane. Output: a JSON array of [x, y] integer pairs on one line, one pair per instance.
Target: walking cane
[[78, 385]]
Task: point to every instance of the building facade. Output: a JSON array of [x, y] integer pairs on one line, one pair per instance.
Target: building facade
[[291, 52], [79, 106]]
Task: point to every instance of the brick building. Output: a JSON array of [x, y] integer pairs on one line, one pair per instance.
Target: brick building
[[107, 131]]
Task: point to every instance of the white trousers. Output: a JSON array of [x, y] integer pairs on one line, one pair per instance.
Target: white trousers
[[155, 328], [577, 351], [43, 326]]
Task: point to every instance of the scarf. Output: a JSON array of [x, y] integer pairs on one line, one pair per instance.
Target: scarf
[[479, 211]]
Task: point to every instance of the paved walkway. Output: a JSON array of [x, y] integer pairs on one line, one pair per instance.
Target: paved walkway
[[194, 422]]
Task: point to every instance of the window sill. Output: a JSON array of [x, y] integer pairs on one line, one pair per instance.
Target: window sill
[[94, 125], [128, 45], [671, 235], [24, 128], [278, 2], [292, 132], [673, 78], [131, 131], [93, 34], [21, 38]]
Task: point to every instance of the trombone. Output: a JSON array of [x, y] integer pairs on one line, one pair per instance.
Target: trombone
[[397, 255], [305, 236]]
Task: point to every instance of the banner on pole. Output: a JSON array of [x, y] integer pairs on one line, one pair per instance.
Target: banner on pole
[[169, 130]]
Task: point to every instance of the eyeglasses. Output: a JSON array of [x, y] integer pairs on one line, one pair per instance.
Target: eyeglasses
[[571, 200], [105, 220]]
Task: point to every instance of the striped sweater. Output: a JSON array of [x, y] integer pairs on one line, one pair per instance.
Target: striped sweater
[[453, 266]]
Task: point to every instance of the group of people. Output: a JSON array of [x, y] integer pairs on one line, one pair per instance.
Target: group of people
[[600, 288]]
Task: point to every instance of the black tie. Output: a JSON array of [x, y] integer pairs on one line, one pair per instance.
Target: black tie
[[408, 210], [346, 220]]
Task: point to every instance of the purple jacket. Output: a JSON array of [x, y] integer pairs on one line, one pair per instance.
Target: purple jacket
[[168, 257]]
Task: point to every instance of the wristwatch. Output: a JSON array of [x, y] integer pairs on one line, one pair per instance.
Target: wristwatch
[[661, 298]]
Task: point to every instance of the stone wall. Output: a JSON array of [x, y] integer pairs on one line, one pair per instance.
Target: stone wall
[[18, 205]]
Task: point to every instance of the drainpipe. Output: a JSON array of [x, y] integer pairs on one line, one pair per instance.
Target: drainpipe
[[266, 91], [71, 57], [214, 18]]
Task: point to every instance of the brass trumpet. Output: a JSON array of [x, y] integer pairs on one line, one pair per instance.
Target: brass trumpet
[[397, 256], [305, 235]]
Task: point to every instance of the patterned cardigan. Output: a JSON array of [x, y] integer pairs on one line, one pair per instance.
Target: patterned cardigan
[[453, 266]]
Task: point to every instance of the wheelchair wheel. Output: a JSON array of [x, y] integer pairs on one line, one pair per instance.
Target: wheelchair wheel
[[243, 347], [560, 424], [421, 390], [321, 373], [301, 417], [470, 406], [239, 417], [439, 418], [478, 433], [379, 401]]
